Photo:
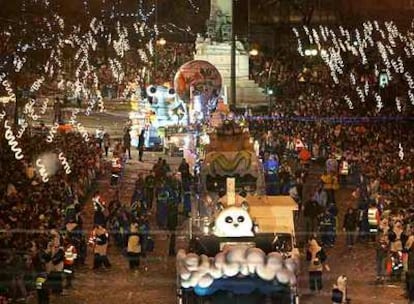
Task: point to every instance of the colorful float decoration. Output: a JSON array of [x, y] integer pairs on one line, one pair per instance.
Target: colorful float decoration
[[248, 249], [230, 153], [198, 83]]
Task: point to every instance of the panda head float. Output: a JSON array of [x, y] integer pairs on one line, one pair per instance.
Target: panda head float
[[234, 221]]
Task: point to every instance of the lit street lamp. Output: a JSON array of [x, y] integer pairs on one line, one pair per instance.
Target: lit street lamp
[[254, 52], [311, 52], [161, 41]]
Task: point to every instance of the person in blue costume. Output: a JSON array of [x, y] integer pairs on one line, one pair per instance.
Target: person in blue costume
[[162, 205], [271, 168]]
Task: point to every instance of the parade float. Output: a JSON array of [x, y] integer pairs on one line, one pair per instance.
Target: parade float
[[230, 153], [160, 110], [244, 252]]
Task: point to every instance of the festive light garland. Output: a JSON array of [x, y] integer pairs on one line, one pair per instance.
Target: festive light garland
[[52, 132], [349, 102], [64, 163], [411, 97], [83, 131], [11, 138], [36, 85], [29, 110], [73, 117], [9, 90], [401, 151], [384, 39], [44, 106], [22, 129], [380, 105], [42, 170]]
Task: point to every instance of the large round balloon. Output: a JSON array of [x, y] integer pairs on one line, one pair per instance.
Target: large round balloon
[[199, 74]]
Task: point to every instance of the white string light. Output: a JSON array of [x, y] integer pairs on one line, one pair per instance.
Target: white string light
[[14, 145], [366, 88], [82, 130], [349, 102], [52, 132], [360, 94], [398, 104], [42, 170], [22, 129], [387, 37], [9, 90], [380, 105], [64, 163], [400, 152], [36, 85], [29, 110], [411, 97], [73, 117], [44, 106]]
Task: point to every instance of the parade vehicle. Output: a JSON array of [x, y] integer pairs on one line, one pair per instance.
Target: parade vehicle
[[245, 252], [177, 140], [231, 154]]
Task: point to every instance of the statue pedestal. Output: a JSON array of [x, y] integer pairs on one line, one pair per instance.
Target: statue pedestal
[[219, 55]]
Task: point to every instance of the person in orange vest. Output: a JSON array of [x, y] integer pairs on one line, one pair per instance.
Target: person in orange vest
[[69, 260], [304, 156]]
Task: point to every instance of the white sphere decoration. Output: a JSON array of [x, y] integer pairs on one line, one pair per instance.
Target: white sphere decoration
[[192, 261], [185, 284], [206, 281], [220, 260], [231, 269], [254, 257], [244, 269], [266, 273], [195, 278], [185, 274], [205, 263], [215, 272], [236, 255], [275, 261]]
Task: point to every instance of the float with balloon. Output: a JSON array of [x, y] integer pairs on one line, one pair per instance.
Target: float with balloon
[[246, 250], [198, 83]]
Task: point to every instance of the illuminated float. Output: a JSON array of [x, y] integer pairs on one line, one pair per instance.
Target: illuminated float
[[198, 83], [244, 252], [158, 111], [230, 153]]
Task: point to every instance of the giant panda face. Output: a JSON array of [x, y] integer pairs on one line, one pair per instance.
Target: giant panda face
[[233, 222]]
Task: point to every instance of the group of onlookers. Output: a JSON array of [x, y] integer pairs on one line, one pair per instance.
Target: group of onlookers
[[41, 222]]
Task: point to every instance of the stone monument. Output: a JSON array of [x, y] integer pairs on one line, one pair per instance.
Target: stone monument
[[216, 49]]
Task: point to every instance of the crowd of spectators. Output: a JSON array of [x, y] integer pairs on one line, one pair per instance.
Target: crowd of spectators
[[37, 218], [310, 113]]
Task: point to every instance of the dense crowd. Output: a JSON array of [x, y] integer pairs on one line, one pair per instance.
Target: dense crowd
[[40, 221], [357, 149]]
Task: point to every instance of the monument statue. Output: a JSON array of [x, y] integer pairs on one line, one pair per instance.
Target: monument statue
[[215, 48], [219, 23]]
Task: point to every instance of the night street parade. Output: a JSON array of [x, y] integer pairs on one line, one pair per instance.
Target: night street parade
[[207, 151]]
